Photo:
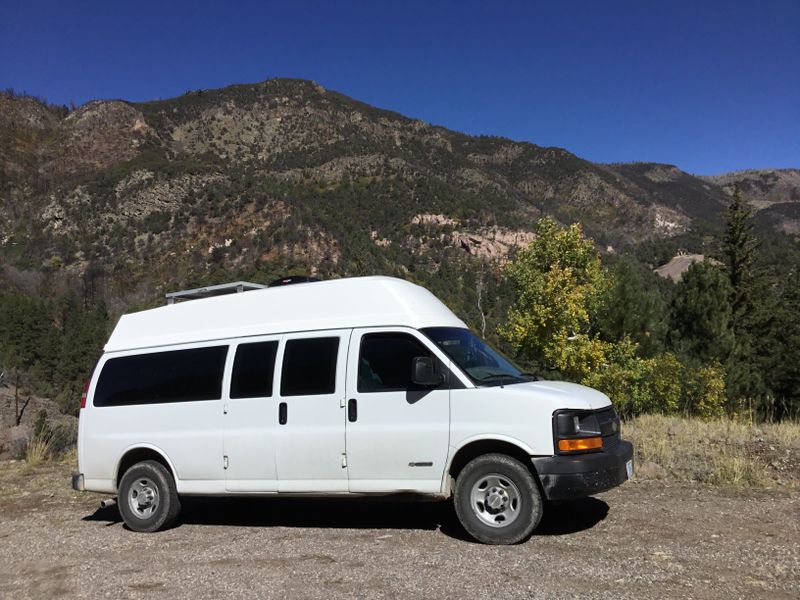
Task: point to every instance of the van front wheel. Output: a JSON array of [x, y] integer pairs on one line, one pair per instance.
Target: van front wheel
[[497, 499], [148, 500]]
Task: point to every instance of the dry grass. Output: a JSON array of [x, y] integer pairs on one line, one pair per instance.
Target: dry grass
[[721, 452], [786, 434], [733, 469], [40, 449], [70, 457]]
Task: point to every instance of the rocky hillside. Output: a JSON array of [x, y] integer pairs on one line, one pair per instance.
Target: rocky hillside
[[775, 193], [252, 181]]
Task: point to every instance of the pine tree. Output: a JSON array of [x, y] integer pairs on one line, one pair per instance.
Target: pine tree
[[701, 316], [748, 296], [740, 247], [635, 306], [785, 371]]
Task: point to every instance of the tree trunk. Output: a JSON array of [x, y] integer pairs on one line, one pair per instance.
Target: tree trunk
[[479, 290], [17, 416]]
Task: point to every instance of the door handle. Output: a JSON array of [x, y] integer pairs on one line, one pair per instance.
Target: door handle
[[352, 410], [282, 413]]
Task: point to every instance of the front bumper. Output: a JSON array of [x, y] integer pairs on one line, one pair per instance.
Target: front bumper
[[77, 482], [565, 477]]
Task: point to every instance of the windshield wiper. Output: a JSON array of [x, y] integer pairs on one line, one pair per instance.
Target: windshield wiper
[[499, 376]]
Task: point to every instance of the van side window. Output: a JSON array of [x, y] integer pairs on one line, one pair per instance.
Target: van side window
[[253, 369], [309, 367], [385, 360], [172, 376]]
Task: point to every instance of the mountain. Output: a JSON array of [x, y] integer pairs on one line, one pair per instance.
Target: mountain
[[129, 200], [775, 193]]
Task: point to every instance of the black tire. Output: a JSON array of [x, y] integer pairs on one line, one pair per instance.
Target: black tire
[[148, 480], [512, 475]]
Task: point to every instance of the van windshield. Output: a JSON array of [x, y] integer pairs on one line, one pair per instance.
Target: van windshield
[[482, 363]]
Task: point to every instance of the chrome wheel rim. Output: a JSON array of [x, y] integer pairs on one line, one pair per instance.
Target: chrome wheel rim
[[495, 500], [143, 498]]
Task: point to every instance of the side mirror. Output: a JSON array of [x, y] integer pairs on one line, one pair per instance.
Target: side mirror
[[424, 373]]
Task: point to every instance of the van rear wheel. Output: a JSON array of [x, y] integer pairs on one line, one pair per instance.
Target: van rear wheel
[[497, 500], [148, 500]]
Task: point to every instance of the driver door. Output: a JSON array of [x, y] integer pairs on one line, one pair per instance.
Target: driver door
[[397, 434]]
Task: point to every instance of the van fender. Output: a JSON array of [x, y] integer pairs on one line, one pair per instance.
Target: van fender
[[145, 446], [483, 437]]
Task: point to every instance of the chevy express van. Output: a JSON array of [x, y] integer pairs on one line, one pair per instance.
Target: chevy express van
[[367, 385]]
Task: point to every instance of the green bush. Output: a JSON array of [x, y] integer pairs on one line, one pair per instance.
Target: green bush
[[638, 385], [704, 391]]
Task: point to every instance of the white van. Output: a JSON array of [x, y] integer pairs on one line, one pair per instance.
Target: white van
[[366, 385]]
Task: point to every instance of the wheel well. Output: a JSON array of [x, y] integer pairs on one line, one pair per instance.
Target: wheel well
[[476, 449], [138, 455]]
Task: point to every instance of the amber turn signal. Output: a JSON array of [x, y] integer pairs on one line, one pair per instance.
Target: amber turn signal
[[578, 444]]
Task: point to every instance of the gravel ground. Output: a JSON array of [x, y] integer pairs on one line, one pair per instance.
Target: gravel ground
[[643, 540]]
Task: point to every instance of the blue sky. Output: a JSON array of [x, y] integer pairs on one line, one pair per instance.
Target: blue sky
[[709, 86]]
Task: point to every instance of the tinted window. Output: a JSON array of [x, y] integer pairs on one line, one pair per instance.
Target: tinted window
[[174, 376], [253, 369], [385, 361], [309, 367]]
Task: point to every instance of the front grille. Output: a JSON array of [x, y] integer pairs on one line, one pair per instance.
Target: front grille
[[609, 427]]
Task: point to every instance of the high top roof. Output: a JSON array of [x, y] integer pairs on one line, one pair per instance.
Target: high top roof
[[333, 304]]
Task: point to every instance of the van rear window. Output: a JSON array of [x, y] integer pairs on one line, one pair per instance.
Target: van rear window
[[309, 367], [253, 369], [158, 377]]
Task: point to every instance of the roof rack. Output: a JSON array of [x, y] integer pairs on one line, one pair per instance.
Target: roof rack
[[236, 287]]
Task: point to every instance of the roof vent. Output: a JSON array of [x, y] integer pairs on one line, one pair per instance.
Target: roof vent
[[292, 279]]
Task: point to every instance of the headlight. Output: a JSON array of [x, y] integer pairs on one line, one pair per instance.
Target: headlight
[[576, 431]]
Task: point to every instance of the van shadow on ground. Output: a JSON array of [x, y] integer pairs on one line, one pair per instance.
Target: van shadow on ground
[[360, 513]]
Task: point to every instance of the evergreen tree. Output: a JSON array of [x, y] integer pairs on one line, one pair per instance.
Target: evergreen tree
[[700, 328], [785, 372], [50, 347], [82, 338], [748, 297], [635, 306], [740, 247]]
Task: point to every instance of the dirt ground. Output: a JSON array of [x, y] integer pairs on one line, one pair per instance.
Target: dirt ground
[[643, 540]]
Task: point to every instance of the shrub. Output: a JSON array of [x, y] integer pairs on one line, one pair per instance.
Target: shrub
[[64, 437], [704, 391], [638, 385], [40, 449], [59, 437]]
